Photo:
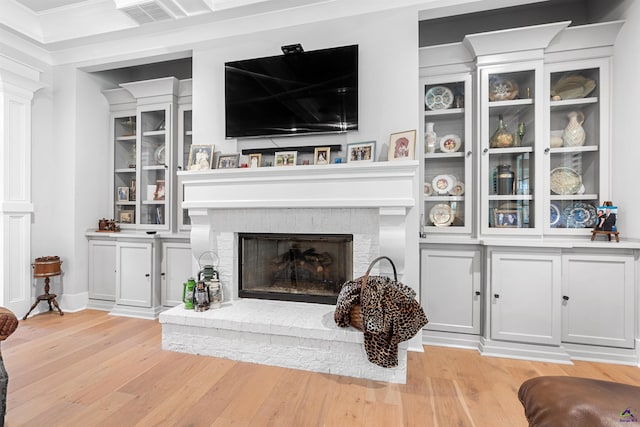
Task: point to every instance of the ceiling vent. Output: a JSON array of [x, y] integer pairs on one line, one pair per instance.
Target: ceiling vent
[[144, 12]]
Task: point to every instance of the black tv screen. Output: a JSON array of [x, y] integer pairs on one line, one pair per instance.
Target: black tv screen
[[298, 93]]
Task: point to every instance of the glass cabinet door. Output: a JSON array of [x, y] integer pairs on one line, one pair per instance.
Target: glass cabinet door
[[509, 123], [577, 144], [154, 152], [125, 159], [184, 147], [446, 140]]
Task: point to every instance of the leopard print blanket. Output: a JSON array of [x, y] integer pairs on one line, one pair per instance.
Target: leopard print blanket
[[390, 315]]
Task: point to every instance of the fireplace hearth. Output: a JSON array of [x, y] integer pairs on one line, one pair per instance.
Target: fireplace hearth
[[294, 267]]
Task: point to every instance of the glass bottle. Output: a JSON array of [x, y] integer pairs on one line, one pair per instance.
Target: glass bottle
[[505, 178], [430, 138], [501, 138]]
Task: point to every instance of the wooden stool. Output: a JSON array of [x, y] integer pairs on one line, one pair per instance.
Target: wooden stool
[[607, 233]]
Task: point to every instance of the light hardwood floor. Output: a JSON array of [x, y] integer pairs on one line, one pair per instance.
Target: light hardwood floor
[[92, 369]]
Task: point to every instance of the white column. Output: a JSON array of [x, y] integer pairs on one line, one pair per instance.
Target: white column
[[18, 83]]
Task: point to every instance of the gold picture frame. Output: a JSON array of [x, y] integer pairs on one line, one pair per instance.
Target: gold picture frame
[[228, 161], [507, 218], [126, 217], [286, 158], [322, 156], [402, 146], [255, 160]]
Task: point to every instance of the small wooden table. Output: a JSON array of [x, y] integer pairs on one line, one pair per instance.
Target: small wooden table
[[594, 233]]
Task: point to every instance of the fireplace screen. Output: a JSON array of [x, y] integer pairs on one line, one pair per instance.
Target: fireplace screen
[[294, 267]]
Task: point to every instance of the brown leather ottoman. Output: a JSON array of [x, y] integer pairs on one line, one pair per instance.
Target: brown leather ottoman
[[8, 324], [569, 401]]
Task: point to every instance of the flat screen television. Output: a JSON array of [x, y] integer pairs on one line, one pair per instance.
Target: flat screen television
[[299, 93]]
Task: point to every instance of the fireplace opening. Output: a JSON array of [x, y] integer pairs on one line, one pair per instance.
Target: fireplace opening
[[294, 267]]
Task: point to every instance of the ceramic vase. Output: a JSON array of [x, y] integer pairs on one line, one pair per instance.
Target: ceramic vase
[[574, 134]]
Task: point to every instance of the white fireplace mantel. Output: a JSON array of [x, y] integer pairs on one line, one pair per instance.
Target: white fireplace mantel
[[355, 185]]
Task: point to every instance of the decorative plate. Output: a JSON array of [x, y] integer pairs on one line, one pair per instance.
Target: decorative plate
[[502, 89], [428, 190], [438, 98], [572, 86], [565, 181], [450, 143], [159, 155], [441, 215], [556, 216], [442, 184], [458, 189], [580, 215]]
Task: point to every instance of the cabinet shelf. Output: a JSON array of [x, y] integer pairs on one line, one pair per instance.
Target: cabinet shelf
[[444, 155], [130, 138], [154, 167], [449, 112], [443, 199], [511, 197], [582, 149], [154, 133], [125, 170], [510, 150], [573, 102], [572, 197], [510, 103]]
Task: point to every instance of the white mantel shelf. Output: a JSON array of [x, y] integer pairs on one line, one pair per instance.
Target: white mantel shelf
[[355, 185]]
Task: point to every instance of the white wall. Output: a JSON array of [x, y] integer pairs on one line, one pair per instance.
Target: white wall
[[388, 74], [625, 116]]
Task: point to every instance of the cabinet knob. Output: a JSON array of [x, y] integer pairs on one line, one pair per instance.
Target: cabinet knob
[[477, 293], [566, 298], [496, 295], [485, 151], [547, 150], [469, 153], [147, 275], [162, 274]]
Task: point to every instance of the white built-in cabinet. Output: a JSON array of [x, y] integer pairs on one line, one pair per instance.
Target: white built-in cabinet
[[524, 296], [451, 280], [176, 267], [140, 269], [102, 271], [598, 299], [515, 273]]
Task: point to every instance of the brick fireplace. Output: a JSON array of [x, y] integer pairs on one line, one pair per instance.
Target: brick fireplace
[[375, 203]]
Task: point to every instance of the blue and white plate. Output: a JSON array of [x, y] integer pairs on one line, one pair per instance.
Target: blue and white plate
[[556, 216], [580, 215]]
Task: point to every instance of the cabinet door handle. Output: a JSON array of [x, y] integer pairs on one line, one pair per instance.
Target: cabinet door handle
[[162, 274], [566, 298], [147, 275], [496, 295], [478, 293]]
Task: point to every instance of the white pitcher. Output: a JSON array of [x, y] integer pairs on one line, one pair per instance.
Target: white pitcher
[[574, 134]]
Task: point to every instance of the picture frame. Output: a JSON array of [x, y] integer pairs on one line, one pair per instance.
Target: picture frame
[[361, 151], [123, 194], [126, 217], [286, 158], [228, 161], [255, 160], [200, 157], [322, 156], [159, 192], [507, 218], [402, 146]]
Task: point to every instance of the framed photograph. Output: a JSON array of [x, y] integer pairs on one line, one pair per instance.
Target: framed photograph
[[228, 161], [255, 160], [200, 157], [402, 145], [286, 158], [159, 191], [361, 151], [126, 217], [507, 218], [322, 156], [123, 194]]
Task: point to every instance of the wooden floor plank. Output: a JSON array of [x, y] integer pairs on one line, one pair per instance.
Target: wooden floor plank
[[92, 369]]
